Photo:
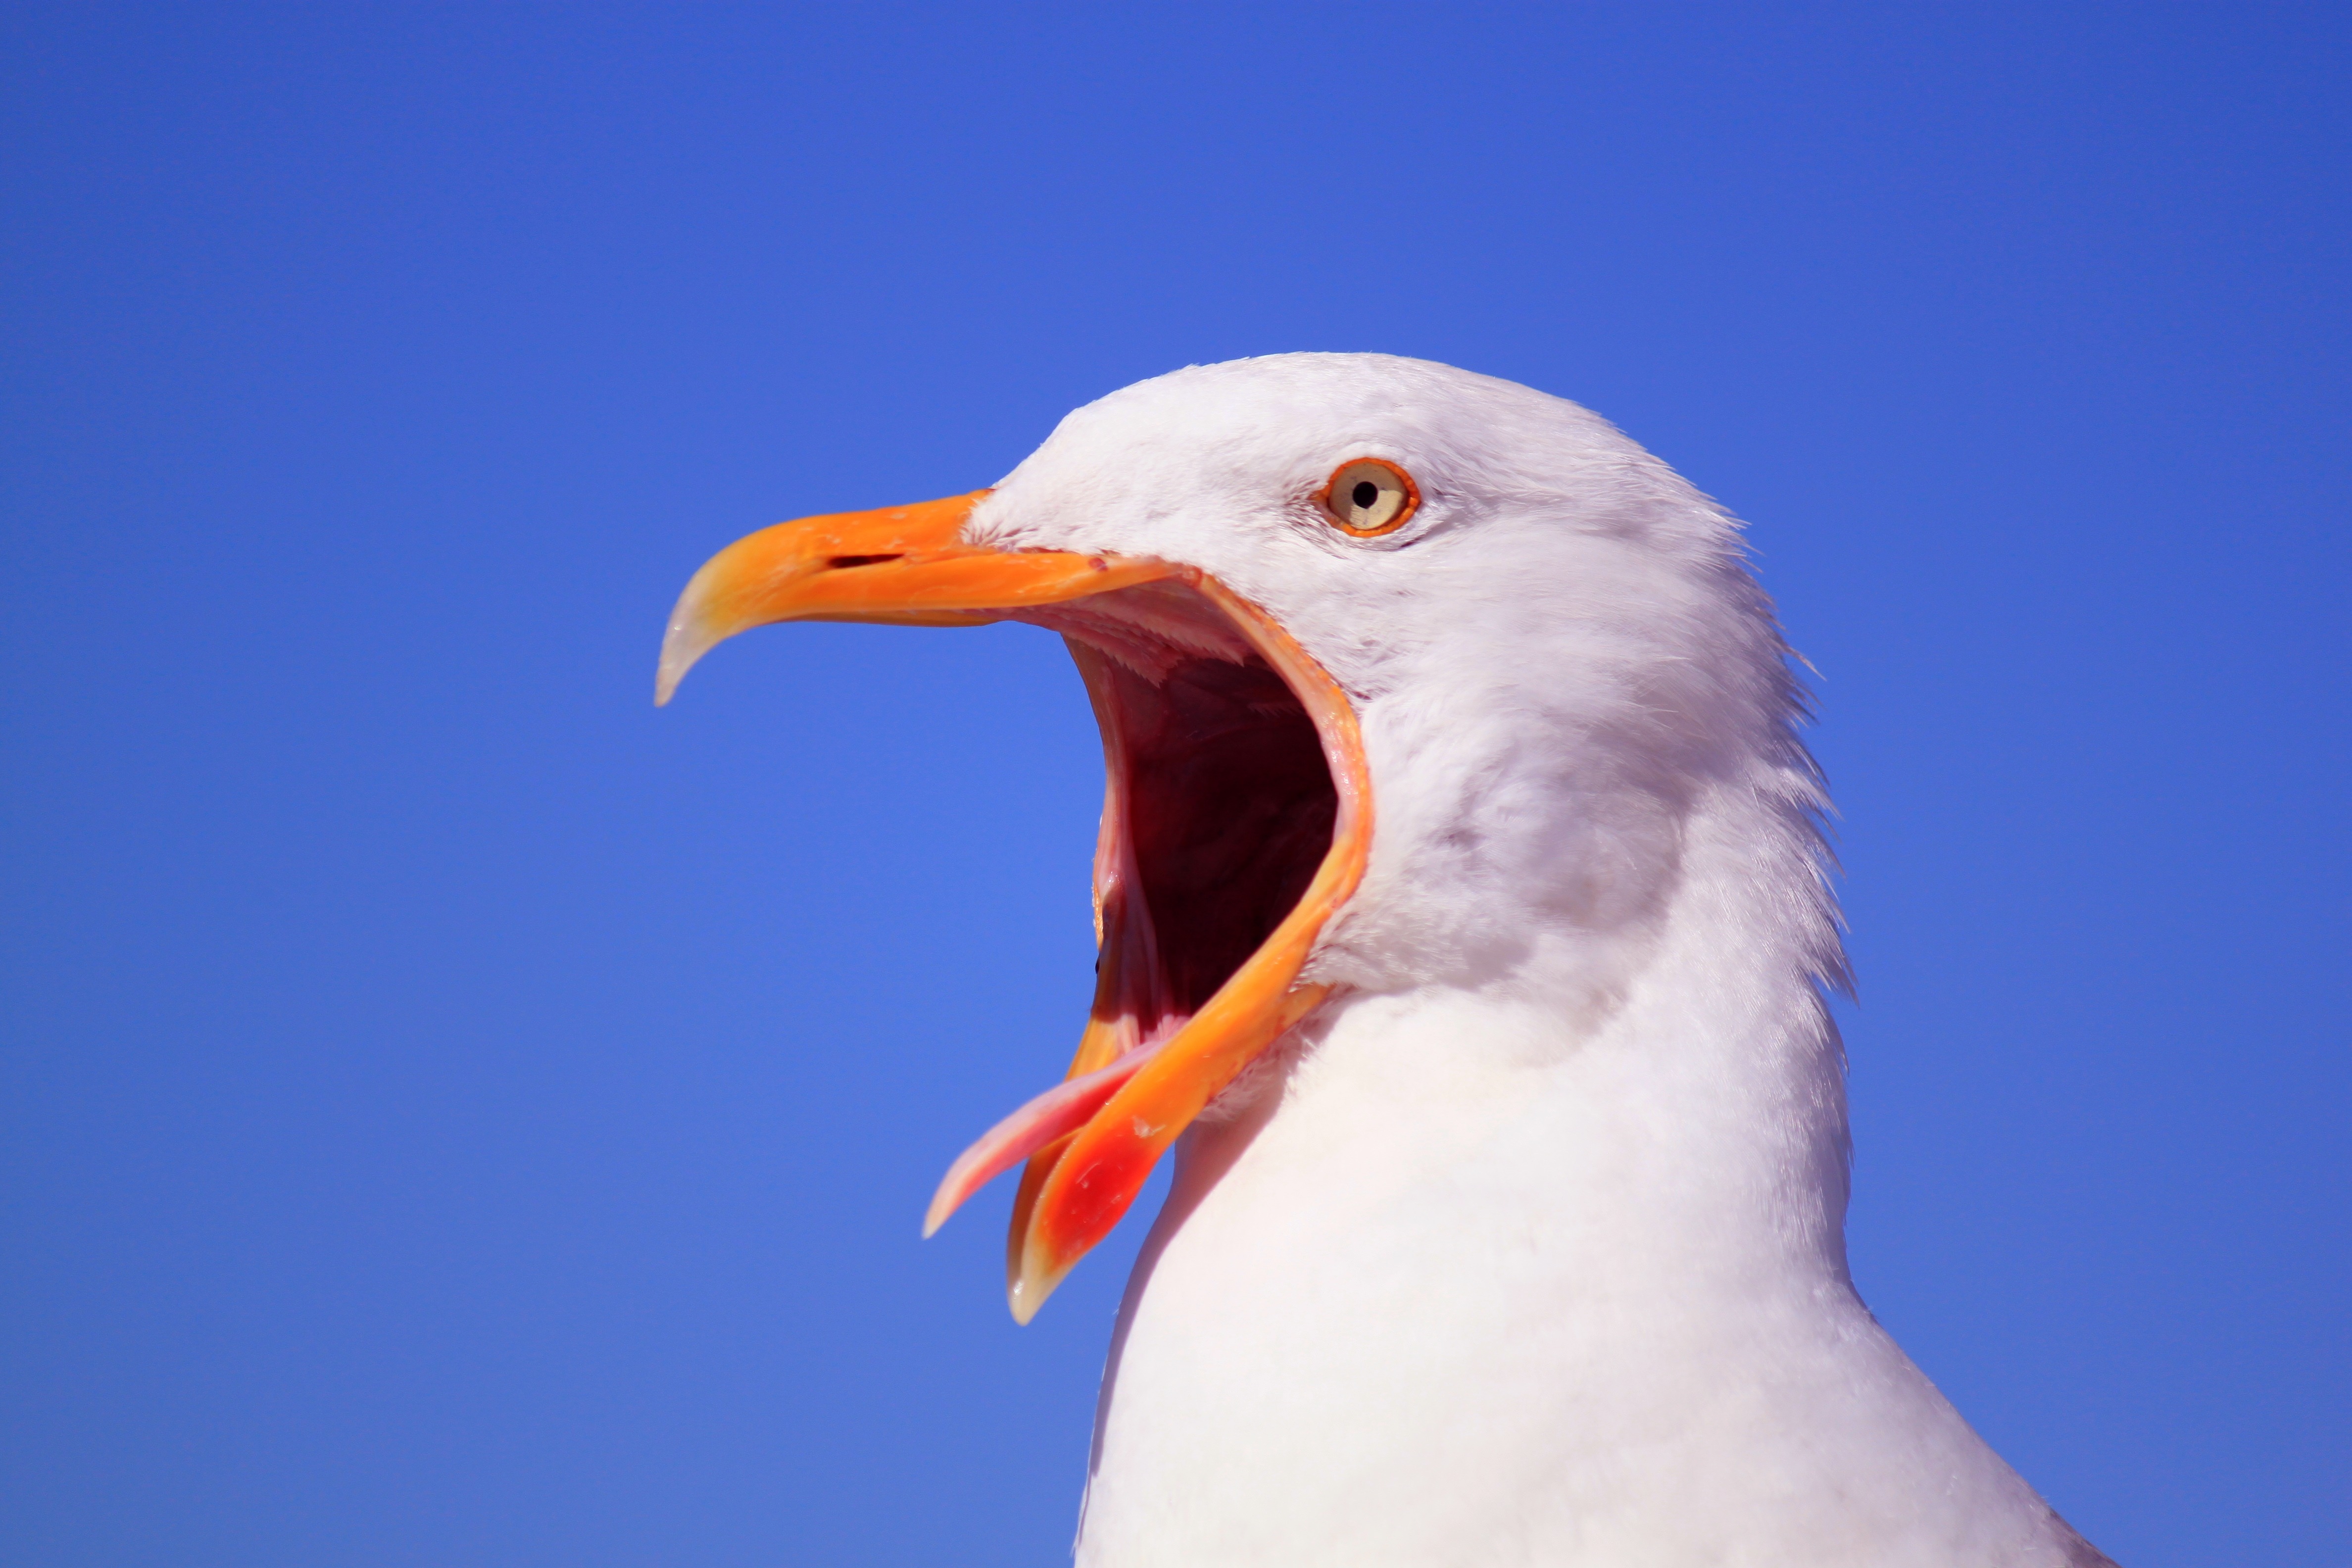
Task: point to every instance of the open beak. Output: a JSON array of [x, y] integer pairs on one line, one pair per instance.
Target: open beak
[[1236, 819]]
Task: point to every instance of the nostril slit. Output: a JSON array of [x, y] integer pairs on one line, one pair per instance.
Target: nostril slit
[[837, 562]]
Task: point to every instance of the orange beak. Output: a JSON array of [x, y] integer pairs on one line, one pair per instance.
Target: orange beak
[[1132, 1089]]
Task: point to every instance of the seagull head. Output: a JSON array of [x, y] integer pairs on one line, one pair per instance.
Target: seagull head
[[1406, 678]]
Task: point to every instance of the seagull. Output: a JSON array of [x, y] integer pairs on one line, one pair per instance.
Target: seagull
[[1464, 929]]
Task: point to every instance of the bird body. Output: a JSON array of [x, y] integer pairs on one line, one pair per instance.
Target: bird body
[[1508, 1219]]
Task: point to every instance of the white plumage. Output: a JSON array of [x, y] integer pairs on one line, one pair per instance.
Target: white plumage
[[1531, 1248], [1527, 1247]]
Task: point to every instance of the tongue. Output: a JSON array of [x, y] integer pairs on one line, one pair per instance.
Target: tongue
[[1063, 1109]]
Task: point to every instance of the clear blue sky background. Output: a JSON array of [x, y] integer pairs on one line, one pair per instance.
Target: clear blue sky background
[[455, 1114]]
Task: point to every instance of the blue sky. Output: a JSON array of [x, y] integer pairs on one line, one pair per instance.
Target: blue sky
[[456, 1114]]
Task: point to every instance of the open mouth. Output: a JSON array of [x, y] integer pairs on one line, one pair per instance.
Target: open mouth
[[1236, 819], [1218, 808]]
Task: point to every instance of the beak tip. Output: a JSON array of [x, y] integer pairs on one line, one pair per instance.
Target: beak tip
[[685, 644], [1026, 1292]]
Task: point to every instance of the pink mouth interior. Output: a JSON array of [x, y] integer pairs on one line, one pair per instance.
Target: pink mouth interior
[[1219, 809]]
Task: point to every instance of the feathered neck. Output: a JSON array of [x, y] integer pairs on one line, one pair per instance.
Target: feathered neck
[[1547, 1266]]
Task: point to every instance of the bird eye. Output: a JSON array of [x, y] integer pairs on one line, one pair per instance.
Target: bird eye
[[1368, 497]]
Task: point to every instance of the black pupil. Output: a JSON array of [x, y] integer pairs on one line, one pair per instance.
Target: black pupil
[[1366, 493]]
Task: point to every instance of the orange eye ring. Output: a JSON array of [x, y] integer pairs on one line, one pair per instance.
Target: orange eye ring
[[1367, 497]]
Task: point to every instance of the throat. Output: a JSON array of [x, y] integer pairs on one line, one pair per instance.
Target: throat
[[1478, 1220], [1510, 1165], [1673, 1127]]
